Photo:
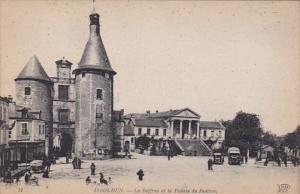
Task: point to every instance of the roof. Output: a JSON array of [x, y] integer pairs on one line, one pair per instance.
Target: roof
[[94, 55], [149, 122], [63, 61], [164, 114], [211, 124], [33, 70], [128, 130]]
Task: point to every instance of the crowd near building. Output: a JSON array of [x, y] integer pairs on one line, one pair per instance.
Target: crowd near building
[[73, 113]]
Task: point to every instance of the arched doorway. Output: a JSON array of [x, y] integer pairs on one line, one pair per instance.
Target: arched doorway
[[66, 144]]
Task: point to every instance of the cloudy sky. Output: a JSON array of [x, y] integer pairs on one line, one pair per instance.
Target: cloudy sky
[[215, 57]]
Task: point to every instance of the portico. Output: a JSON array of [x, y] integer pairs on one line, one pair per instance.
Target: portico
[[184, 128]]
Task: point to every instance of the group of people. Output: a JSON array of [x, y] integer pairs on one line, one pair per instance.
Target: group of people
[[76, 163], [93, 173]]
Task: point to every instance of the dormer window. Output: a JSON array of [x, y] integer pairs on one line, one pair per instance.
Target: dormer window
[[27, 91], [83, 74]]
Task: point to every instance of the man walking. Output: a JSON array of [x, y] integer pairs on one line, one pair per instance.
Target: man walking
[[140, 174], [93, 169]]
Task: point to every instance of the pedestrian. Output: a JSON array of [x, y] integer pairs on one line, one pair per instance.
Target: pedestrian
[[93, 169], [209, 164], [140, 174], [278, 162], [67, 158], [102, 179], [48, 164], [79, 163], [109, 180], [46, 174], [285, 159], [246, 159], [27, 176], [74, 162], [266, 162], [88, 180], [169, 154]]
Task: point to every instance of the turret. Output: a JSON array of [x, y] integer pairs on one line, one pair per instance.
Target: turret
[[94, 97], [34, 91]]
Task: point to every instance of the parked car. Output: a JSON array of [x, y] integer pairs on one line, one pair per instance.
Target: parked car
[[218, 158], [234, 156], [37, 166]]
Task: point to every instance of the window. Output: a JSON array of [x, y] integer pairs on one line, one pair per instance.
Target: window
[[63, 115], [43, 129], [83, 74], [63, 92], [165, 132], [40, 129], [24, 129], [27, 91], [148, 131], [204, 133], [220, 133], [140, 131], [132, 140], [99, 94], [156, 131], [212, 133]]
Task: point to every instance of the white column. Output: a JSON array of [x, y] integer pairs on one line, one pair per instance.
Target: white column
[[198, 130], [189, 130], [172, 129], [180, 129]]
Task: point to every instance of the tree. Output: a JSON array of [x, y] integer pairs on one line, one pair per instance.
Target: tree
[[244, 132], [292, 140], [143, 142], [269, 139]]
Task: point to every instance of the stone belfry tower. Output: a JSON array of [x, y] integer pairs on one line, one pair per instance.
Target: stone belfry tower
[[94, 98]]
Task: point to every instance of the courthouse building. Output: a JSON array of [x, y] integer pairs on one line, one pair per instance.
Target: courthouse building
[[179, 125]]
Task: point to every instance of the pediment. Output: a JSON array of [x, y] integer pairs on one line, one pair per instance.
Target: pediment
[[187, 113]]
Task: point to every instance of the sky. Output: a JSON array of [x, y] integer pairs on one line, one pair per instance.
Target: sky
[[217, 58]]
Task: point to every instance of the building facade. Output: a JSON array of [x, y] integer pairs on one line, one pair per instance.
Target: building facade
[[4, 132], [180, 124], [64, 99], [75, 112]]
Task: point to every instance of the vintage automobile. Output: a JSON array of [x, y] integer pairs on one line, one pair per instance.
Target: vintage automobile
[[218, 158], [37, 166], [234, 156]]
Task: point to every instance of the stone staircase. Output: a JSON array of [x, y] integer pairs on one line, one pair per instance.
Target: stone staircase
[[193, 147]]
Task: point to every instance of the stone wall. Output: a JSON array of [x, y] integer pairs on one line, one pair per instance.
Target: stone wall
[[88, 134]]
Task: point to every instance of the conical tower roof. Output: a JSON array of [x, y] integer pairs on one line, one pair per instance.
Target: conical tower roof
[[94, 55], [33, 70]]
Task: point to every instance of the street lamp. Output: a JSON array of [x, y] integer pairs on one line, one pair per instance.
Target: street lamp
[[26, 147]]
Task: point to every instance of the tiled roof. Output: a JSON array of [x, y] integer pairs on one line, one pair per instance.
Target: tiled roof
[[164, 114], [149, 122], [33, 70], [94, 55], [211, 124]]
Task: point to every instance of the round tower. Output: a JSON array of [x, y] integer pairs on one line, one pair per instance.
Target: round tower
[[34, 91], [94, 98]]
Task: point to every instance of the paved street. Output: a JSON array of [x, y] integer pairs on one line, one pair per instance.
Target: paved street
[[180, 175]]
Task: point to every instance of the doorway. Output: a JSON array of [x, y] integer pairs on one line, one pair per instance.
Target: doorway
[[66, 144]]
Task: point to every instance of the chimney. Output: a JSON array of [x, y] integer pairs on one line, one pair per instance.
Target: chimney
[[156, 111], [148, 112]]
